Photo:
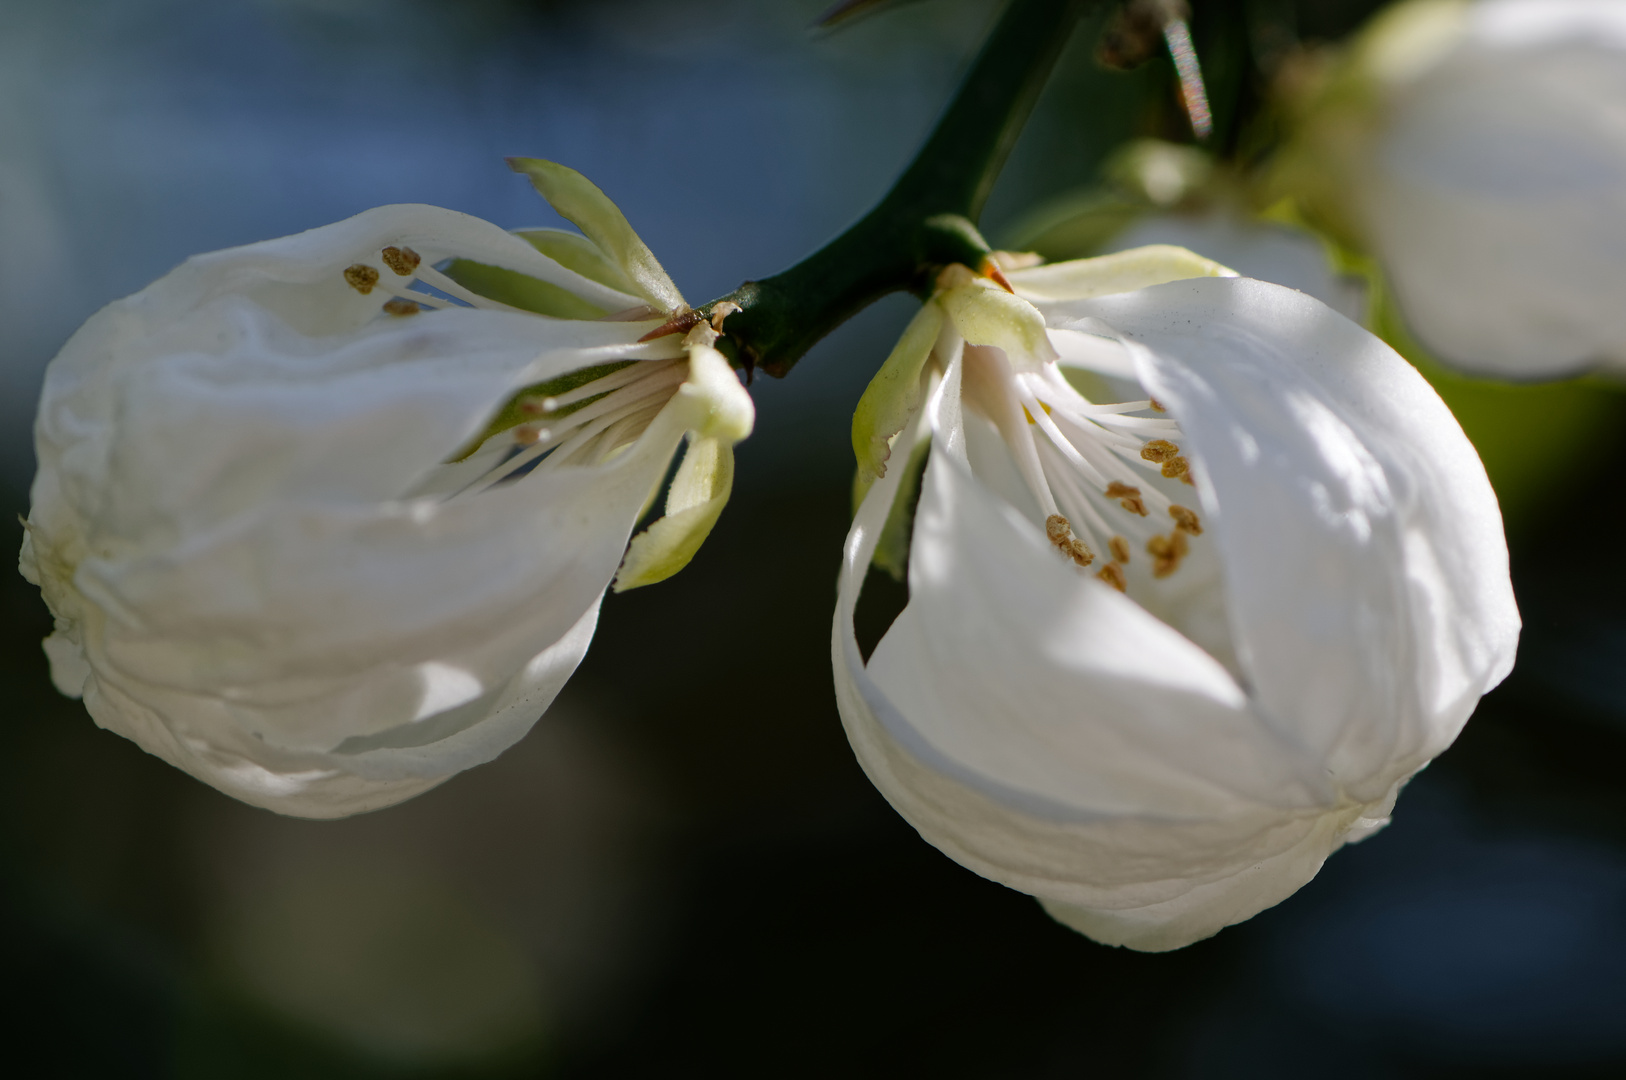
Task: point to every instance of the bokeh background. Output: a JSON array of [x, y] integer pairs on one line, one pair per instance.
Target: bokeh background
[[682, 864]]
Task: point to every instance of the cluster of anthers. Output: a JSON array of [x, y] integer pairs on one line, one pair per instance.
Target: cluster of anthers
[[1084, 464], [605, 408]]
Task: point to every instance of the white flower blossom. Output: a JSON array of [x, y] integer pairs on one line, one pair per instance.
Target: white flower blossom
[[1478, 150], [1162, 655], [266, 567]]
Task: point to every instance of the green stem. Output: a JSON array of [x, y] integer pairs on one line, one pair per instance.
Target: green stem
[[927, 219]]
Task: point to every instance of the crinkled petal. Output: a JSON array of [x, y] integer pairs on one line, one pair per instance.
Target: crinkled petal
[[281, 411], [312, 619], [204, 736]]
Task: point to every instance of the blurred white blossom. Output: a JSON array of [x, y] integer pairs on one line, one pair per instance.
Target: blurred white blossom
[[1166, 646], [265, 564], [1478, 150]]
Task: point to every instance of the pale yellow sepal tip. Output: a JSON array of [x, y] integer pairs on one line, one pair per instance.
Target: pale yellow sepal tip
[[1120, 272], [893, 394], [695, 502]]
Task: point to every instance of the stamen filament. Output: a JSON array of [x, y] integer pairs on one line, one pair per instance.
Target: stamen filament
[[435, 279], [615, 380]]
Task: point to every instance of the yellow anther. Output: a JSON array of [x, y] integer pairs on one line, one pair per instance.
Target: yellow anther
[[403, 260], [361, 277], [1186, 520], [1128, 497], [1113, 575], [1120, 549], [1027, 414], [1060, 532], [1166, 553], [1177, 468], [399, 306], [1156, 405], [1159, 451], [527, 435]]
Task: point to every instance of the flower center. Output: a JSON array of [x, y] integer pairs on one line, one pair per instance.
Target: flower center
[[1091, 468], [586, 424]]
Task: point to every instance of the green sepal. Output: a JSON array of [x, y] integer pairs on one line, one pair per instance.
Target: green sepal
[[694, 502], [580, 201], [893, 394], [521, 290], [986, 315], [573, 251]]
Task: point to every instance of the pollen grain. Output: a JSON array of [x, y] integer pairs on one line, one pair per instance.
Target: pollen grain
[[1060, 532], [1167, 552], [1185, 520], [403, 260], [1159, 451], [1113, 575], [1128, 497], [361, 277], [1120, 549]]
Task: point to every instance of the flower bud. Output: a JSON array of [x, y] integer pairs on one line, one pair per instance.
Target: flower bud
[[1478, 151]]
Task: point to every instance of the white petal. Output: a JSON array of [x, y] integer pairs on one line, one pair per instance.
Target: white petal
[[1361, 543], [232, 407], [1046, 733], [300, 277], [310, 619], [206, 738]]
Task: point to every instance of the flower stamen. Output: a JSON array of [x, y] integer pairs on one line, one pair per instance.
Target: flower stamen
[[1128, 497], [1167, 552], [1060, 532], [361, 277], [402, 260], [1086, 466], [1159, 451]]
